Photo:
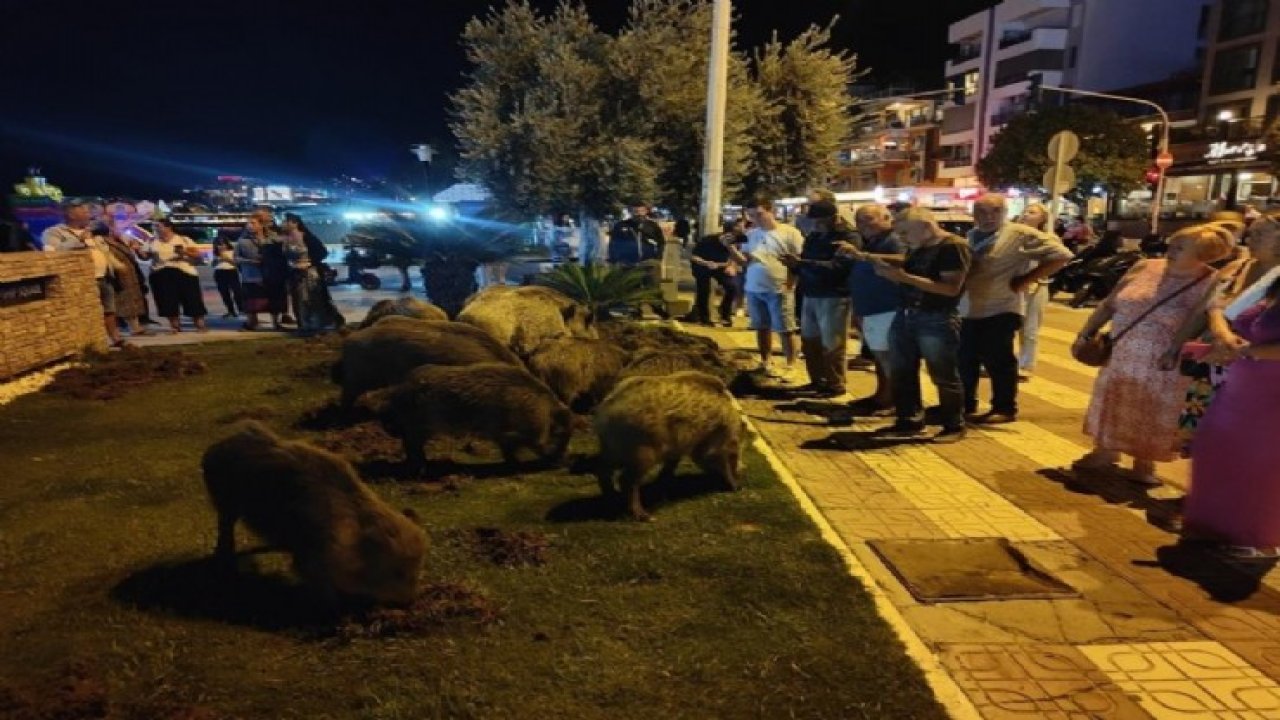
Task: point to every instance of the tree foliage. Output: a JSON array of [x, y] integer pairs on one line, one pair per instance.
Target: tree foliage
[[805, 87], [533, 124], [1113, 152], [557, 115]]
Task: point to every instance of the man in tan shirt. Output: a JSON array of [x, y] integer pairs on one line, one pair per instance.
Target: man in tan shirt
[[1008, 260]]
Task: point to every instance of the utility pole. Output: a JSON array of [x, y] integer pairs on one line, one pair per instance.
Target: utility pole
[[717, 81]]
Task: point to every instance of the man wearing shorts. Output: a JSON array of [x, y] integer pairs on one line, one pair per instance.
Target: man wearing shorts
[[875, 299], [771, 286]]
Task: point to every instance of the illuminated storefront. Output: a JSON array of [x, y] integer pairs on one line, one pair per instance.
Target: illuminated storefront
[[1211, 175]]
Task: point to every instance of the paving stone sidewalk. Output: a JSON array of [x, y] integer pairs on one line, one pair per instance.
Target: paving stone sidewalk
[[1159, 630]]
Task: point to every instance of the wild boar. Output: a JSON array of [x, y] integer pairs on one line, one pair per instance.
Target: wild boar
[[523, 317], [665, 362], [647, 421], [347, 544], [491, 401], [405, 307], [383, 355], [580, 371]]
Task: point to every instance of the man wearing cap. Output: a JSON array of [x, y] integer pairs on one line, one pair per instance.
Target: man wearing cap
[[823, 278], [636, 239], [1008, 260]]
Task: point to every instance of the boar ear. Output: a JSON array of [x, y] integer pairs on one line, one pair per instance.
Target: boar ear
[[569, 312], [411, 514]]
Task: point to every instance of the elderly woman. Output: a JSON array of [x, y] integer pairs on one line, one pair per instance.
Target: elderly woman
[[1235, 485], [1136, 401], [174, 279]]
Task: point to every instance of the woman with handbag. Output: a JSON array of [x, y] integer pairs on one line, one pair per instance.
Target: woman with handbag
[[1235, 479], [1136, 403]]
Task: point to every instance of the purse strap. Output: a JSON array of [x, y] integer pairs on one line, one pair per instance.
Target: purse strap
[[1156, 306]]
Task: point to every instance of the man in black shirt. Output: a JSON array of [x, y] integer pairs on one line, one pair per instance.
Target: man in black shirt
[[824, 280], [711, 261], [636, 239], [927, 325]]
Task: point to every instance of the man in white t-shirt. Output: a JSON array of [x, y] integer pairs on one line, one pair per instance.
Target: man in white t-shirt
[[770, 286]]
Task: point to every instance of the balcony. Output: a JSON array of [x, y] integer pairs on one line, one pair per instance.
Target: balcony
[[960, 162], [958, 119], [965, 53], [1010, 39]]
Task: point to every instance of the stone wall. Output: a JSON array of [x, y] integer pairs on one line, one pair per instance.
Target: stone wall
[[49, 309]]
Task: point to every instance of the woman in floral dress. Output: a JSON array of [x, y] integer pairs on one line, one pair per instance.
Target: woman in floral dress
[[1136, 403]]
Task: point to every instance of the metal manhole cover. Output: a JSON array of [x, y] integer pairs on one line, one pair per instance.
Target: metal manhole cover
[[968, 570]]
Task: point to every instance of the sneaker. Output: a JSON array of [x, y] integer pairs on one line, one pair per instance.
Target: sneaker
[[995, 418], [902, 428], [861, 363], [763, 369], [739, 313], [949, 435]]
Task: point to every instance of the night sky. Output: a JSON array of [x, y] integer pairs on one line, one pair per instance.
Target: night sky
[[144, 97]]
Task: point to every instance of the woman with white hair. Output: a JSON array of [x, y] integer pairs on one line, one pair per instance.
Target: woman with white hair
[[1136, 400]]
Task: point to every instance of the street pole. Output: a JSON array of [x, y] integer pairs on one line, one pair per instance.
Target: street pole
[[717, 80], [1164, 141]]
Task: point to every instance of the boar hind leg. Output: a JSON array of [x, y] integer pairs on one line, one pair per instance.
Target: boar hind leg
[[225, 549], [630, 481]]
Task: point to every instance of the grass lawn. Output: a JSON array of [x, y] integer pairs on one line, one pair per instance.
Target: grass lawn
[[730, 605]]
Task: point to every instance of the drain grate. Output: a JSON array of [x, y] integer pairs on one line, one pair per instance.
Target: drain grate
[[968, 570]]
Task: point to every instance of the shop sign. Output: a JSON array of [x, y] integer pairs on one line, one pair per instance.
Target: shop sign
[[1223, 152], [22, 291]]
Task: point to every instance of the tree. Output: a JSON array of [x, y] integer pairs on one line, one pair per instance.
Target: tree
[[805, 87], [532, 123], [1114, 153], [660, 60]]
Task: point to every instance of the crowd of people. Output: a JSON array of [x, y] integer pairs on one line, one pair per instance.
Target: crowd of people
[[266, 267], [966, 307]]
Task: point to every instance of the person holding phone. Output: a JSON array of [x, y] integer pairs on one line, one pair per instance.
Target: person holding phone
[[173, 276], [770, 286], [926, 327], [711, 262]]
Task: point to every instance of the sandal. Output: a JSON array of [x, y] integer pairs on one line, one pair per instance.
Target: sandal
[[1245, 552]]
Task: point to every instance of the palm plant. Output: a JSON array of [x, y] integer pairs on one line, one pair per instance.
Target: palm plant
[[601, 288]]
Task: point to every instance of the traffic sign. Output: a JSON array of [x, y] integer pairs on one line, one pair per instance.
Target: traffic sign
[[1063, 146], [1164, 160], [1066, 180]]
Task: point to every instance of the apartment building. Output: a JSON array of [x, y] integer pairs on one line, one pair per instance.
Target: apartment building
[[1096, 45], [1225, 161], [893, 138]]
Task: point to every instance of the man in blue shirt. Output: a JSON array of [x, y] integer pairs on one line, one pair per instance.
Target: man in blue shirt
[[875, 298]]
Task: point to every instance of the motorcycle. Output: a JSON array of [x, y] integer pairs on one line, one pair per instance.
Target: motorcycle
[[1102, 275]]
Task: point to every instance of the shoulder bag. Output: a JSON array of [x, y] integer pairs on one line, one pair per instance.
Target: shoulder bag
[[1095, 351]]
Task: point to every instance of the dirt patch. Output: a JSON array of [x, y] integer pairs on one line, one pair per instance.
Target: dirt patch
[[108, 376], [366, 442], [502, 548], [437, 605], [80, 694]]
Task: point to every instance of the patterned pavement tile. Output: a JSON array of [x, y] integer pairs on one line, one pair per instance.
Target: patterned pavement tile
[[856, 525], [1188, 680], [1036, 681]]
